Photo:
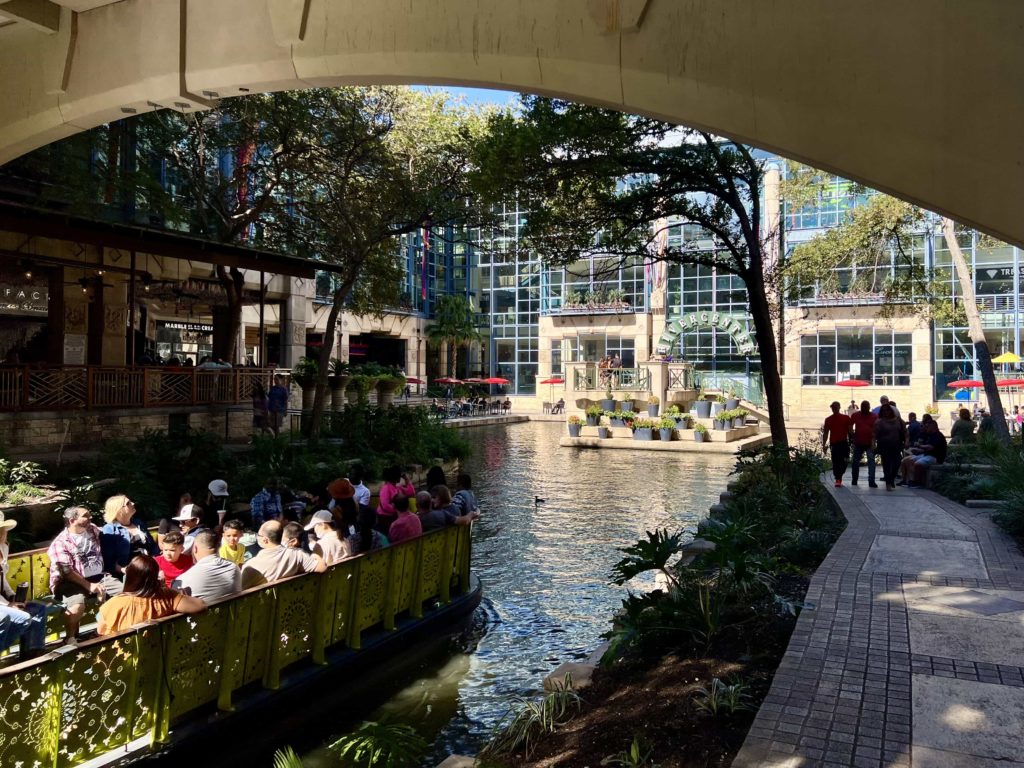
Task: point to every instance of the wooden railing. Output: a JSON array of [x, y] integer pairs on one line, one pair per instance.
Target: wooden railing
[[68, 707], [27, 388]]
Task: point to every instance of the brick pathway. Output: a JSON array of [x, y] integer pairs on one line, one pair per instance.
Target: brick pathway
[[911, 649]]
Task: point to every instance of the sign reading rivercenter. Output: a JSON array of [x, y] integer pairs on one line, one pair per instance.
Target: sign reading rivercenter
[[735, 326]]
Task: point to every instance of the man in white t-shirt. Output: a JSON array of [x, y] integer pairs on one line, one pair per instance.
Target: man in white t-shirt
[[212, 577], [275, 562]]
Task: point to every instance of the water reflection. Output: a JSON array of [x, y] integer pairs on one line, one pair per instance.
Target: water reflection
[[545, 565]]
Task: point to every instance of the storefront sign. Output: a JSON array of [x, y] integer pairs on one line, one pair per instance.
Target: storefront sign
[[736, 327], [24, 299], [174, 325]]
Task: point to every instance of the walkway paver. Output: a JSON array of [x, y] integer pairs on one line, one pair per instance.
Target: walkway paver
[[910, 653]]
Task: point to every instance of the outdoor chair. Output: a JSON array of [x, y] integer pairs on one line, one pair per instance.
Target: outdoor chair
[[545, 407]]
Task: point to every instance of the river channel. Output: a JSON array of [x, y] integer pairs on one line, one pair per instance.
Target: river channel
[[552, 520]]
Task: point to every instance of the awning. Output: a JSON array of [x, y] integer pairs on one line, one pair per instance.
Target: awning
[[158, 242]]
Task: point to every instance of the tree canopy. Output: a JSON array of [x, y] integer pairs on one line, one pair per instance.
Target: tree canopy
[[599, 181]]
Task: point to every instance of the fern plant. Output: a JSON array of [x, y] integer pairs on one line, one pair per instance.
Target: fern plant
[[380, 745], [286, 758]]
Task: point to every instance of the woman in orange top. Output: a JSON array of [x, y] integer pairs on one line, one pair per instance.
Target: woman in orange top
[[144, 598]]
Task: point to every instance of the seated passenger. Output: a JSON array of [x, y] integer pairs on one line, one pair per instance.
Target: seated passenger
[[173, 561], [230, 542], [212, 577], [76, 567], [16, 624], [464, 501], [329, 546], [407, 526], [123, 536], [442, 513], [366, 538], [293, 536], [144, 598], [275, 562]]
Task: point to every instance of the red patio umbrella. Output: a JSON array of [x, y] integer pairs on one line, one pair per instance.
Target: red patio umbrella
[[553, 381], [853, 383], [413, 380], [964, 384], [447, 380], [496, 380], [474, 380], [1010, 383]]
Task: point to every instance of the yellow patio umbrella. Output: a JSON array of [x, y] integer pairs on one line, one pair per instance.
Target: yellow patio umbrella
[[1006, 357]]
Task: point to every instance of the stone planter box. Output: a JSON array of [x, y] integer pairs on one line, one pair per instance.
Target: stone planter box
[[307, 398], [337, 399]]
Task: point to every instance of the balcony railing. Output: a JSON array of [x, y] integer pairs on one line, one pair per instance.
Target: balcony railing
[[67, 708], [681, 376], [638, 379], [26, 388]]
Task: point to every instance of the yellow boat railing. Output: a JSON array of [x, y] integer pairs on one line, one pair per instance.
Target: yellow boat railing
[[71, 706]]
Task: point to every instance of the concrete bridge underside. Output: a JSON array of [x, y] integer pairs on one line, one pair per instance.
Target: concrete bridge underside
[[921, 98]]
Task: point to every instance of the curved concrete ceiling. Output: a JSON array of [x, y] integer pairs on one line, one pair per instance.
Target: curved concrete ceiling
[[922, 98]]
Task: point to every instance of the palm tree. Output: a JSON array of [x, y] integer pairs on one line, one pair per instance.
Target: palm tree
[[453, 326]]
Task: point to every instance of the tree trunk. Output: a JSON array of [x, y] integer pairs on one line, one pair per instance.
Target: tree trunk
[[764, 332], [225, 338], [324, 362], [452, 352], [976, 332]]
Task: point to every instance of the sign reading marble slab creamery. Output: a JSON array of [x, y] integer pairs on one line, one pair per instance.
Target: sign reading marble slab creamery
[[734, 325]]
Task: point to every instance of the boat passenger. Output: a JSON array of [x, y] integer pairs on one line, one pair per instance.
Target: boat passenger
[[173, 560], [442, 513], [212, 577], [275, 562], [145, 598], [407, 526], [329, 545]]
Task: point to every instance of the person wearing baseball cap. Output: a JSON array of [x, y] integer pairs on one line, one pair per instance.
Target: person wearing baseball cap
[[190, 519], [329, 545]]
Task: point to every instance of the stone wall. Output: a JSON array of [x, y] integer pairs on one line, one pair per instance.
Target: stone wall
[[46, 431]]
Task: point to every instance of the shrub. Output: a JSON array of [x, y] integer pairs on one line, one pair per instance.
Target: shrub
[[575, 420], [722, 699], [666, 422], [594, 410], [643, 424], [377, 744], [305, 371], [520, 728], [700, 429]]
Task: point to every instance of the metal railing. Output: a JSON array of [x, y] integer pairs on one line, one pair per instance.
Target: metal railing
[[593, 377], [749, 388], [681, 377], [66, 708], [27, 388]]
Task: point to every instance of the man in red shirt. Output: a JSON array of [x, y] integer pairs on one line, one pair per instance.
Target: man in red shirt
[[863, 442], [835, 434]]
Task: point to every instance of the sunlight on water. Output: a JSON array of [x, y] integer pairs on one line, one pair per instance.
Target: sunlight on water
[[544, 567]]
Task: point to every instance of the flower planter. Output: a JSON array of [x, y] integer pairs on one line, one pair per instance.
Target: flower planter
[[702, 408], [574, 430], [353, 396], [643, 434], [592, 421], [699, 437], [732, 403], [682, 422], [385, 397], [617, 422], [666, 434], [739, 422], [603, 433], [721, 426], [717, 408], [652, 410], [607, 405]]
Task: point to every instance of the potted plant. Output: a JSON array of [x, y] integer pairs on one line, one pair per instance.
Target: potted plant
[[608, 404], [603, 431], [388, 385], [652, 406], [304, 373], [718, 405], [594, 415], [615, 418], [732, 402], [359, 386], [739, 418], [575, 422], [666, 428], [722, 420], [702, 408], [643, 429], [628, 417], [337, 379], [700, 433]]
